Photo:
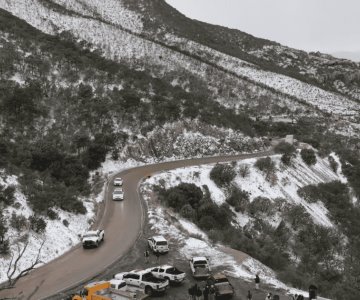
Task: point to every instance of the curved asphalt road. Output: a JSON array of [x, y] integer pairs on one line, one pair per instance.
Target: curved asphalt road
[[122, 222]]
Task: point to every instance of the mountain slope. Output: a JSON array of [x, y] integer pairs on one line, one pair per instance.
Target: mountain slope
[[88, 81]]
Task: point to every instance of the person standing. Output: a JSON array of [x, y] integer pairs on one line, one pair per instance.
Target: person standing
[[198, 293], [146, 255], [249, 296], [157, 254], [191, 292], [206, 292], [212, 292], [257, 281]]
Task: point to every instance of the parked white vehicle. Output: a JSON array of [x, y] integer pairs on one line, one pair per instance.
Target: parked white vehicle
[[168, 272], [145, 280], [200, 267], [92, 238], [118, 194], [158, 244], [118, 181]]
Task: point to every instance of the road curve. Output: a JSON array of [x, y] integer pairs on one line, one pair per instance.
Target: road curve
[[122, 222]]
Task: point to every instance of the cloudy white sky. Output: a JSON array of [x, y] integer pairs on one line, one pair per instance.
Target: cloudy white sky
[[326, 25]]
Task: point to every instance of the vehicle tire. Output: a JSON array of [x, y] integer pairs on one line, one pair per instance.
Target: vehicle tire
[[148, 290]]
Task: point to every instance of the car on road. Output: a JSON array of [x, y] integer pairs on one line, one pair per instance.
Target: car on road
[[200, 267], [118, 194], [145, 280], [168, 272], [92, 238], [118, 181], [158, 244], [223, 288]]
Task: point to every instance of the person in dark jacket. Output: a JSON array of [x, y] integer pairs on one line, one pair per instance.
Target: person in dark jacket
[[206, 293], [249, 296], [157, 254], [257, 281], [146, 255], [191, 291], [198, 293]]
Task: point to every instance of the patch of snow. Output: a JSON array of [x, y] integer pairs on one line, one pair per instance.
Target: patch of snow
[[58, 238]]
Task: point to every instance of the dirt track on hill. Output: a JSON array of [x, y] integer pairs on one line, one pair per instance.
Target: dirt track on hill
[[122, 222]]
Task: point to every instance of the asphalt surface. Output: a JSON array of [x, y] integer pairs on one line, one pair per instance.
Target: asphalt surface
[[122, 222]]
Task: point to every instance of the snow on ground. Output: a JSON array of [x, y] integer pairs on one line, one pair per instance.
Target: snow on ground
[[192, 241], [58, 238], [290, 179], [102, 30], [112, 11], [324, 100]]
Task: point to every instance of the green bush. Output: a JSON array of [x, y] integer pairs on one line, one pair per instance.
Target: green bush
[[333, 164], [7, 195], [261, 205], [284, 148], [310, 193], [184, 193], [3, 227], [308, 156], [37, 224], [238, 199], [19, 222], [222, 174], [265, 165], [66, 223], [52, 214], [207, 223], [188, 212], [5, 247]]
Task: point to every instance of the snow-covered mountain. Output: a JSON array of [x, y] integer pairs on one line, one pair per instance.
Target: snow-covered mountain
[[89, 82]]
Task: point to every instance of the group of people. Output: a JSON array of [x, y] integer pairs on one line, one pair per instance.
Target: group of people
[[196, 293], [298, 297]]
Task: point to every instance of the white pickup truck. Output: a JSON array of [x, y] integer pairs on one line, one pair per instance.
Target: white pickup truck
[[200, 267], [92, 238], [168, 272], [145, 280], [158, 244], [118, 181], [118, 194]]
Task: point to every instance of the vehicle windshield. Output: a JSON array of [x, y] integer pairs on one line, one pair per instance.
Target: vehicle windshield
[[118, 192], [173, 269], [200, 262], [161, 243], [86, 235], [147, 276]]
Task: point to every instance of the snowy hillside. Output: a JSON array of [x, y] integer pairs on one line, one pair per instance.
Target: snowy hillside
[[60, 234], [115, 30], [193, 241], [289, 180]]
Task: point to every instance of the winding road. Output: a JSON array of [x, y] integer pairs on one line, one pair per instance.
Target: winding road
[[122, 222]]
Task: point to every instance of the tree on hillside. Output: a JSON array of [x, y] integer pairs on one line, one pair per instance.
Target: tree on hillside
[[308, 156], [287, 150], [12, 279], [222, 174]]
